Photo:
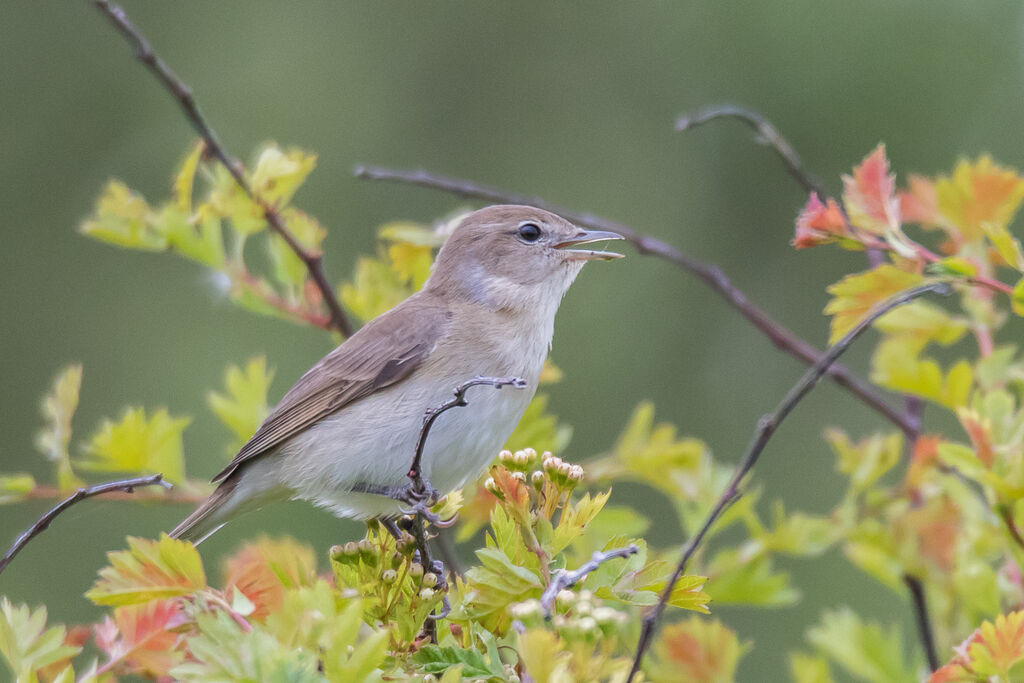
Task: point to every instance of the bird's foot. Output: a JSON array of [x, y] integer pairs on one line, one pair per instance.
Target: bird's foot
[[420, 497]]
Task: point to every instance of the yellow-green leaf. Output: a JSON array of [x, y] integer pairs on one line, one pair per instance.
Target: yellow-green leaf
[[149, 570], [58, 409], [27, 645], [185, 178], [122, 218], [855, 295], [243, 405], [139, 444], [279, 173], [15, 487]]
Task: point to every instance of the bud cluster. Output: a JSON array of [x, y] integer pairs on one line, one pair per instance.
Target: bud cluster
[[578, 616], [536, 470]]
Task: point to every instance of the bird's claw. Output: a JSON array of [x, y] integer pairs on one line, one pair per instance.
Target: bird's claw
[[421, 496], [422, 509]]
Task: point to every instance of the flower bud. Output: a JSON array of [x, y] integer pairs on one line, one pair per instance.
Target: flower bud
[[427, 594], [416, 570], [564, 599], [505, 457], [367, 553], [337, 553], [537, 479], [397, 559], [389, 577], [430, 580]]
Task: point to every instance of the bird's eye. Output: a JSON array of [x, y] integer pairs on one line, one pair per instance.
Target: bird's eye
[[529, 232]]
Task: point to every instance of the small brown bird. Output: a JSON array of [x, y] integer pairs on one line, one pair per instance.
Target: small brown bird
[[350, 424]]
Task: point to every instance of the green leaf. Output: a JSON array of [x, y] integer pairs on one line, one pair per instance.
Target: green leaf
[[866, 461], [200, 239], [539, 430], [736, 580], [279, 173], [898, 365], [866, 651], [953, 266], [185, 178], [243, 405], [574, 520], [855, 295], [1005, 243], [122, 218], [139, 444], [805, 668], [149, 570], [27, 645], [289, 269], [1017, 298], [15, 487], [58, 409], [432, 659]]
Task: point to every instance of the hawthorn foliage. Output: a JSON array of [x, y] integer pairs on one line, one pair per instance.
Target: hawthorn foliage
[[947, 516]]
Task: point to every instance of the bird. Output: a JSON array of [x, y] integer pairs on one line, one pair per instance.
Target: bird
[[344, 435]]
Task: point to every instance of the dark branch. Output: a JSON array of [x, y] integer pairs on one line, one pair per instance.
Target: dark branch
[[183, 95], [766, 427], [458, 400], [924, 623], [711, 275], [125, 485], [767, 134], [567, 579]]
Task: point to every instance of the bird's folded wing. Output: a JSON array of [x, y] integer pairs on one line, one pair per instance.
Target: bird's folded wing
[[384, 351]]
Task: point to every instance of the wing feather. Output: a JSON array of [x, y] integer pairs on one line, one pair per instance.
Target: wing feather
[[384, 351]]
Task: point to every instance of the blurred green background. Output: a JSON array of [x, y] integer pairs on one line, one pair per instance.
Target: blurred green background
[[573, 101]]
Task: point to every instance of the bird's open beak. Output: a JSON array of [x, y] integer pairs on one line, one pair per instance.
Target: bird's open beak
[[586, 237]]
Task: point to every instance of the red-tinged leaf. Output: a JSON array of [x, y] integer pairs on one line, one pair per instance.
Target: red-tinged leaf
[[919, 203], [979, 433], [870, 195], [263, 570], [697, 650], [149, 570], [141, 639], [979, 194], [855, 295], [923, 459], [819, 223], [995, 651]]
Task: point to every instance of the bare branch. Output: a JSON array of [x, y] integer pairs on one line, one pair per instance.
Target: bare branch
[[766, 427], [567, 579], [458, 400], [711, 275], [924, 623], [767, 134], [183, 95], [124, 485]]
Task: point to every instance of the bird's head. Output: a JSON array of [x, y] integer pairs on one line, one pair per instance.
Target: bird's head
[[510, 256]]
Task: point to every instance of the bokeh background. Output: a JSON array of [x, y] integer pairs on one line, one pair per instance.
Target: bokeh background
[[573, 101]]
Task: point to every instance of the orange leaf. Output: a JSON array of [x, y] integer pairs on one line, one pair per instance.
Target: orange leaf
[[263, 570], [979, 432], [819, 223], [697, 650], [870, 195], [149, 570], [978, 194], [140, 638]]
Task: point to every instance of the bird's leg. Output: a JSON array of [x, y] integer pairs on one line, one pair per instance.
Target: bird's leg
[[419, 495], [392, 528]]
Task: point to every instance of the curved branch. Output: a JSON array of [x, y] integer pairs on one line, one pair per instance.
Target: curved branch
[[766, 427], [123, 485], [711, 275], [767, 134], [183, 95]]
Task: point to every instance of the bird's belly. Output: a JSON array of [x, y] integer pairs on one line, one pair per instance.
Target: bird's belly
[[371, 443]]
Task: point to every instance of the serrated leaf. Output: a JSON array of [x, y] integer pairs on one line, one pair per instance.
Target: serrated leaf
[[141, 639], [199, 239], [243, 405], [979, 194], [264, 570], [866, 651], [870, 195], [1006, 244], [279, 173], [805, 668], [185, 178], [26, 644], [866, 461], [696, 650], [138, 444], [408, 232], [855, 295], [819, 223], [58, 408], [149, 570], [121, 218], [289, 269], [411, 262], [994, 652], [432, 659], [574, 520], [737, 580], [898, 365], [923, 321]]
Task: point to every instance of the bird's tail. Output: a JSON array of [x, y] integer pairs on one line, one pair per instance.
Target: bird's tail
[[211, 515]]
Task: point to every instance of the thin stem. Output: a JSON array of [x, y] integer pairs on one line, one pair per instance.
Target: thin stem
[[767, 134], [179, 495], [124, 485], [766, 427], [711, 275], [567, 579], [924, 623], [458, 400], [183, 95]]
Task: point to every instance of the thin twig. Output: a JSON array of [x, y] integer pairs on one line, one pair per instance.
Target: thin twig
[[924, 623], [767, 134], [567, 579], [711, 275], [125, 485], [188, 493], [766, 426], [458, 400], [183, 95]]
